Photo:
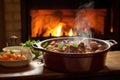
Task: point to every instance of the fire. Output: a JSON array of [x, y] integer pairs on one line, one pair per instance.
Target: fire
[[62, 22], [59, 30], [71, 32], [56, 30]]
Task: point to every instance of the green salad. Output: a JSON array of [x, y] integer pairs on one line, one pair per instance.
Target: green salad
[[29, 44]]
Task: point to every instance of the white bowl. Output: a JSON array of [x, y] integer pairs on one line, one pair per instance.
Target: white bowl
[[17, 63]]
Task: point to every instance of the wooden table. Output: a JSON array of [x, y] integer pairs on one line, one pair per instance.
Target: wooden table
[[36, 70]]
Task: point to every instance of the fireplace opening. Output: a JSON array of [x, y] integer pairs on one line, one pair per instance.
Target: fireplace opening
[[42, 19], [66, 22]]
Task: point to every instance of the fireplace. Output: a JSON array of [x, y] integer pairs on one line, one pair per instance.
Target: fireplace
[[42, 19], [67, 22]]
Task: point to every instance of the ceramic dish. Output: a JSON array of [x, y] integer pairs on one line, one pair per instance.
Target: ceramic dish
[[17, 63]]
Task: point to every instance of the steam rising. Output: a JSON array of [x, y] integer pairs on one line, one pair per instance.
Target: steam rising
[[86, 5], [83, 26]]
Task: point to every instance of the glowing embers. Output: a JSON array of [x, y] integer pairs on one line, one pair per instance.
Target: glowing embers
[[45, 23]]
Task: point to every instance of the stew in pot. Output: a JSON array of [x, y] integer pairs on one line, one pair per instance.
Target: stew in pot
[[74, 46]]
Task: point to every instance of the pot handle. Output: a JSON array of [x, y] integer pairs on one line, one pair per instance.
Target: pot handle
[[37, 46], [112, 42]]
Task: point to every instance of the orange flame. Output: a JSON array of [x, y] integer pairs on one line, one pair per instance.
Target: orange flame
[[71, 32], [50, 23], [59, 30], [54, 31]]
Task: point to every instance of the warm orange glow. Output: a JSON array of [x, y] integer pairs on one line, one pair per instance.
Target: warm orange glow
[[85, 30], [71, 32], [54, 31], [64, 22], [59, 30], [111, 30]]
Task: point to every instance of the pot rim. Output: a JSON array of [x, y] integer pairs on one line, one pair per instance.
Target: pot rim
[[38, 46]]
